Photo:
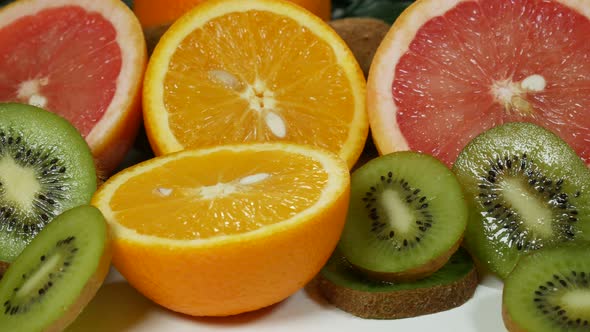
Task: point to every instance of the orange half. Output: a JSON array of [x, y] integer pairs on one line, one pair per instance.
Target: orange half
[[225, 230], [233, 71]]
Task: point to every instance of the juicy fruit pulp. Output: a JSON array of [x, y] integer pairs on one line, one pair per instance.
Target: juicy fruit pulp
[[406, 216], [549, 291], [474, 65], [236, 228], [234, 71], [353, 292], [41, 78], [82, 60], [526, 189], [45, 168], [57, 274]]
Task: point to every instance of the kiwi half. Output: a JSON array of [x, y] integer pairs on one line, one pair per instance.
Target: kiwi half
[[57, 274], [406, 217], [46, 167], [346, 288], [549, 290], [526, 189]]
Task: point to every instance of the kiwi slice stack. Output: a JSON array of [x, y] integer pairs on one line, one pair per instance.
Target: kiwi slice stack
[[46, 167], [355, 293], [57, 274], [526, 189], [406, 218], [549, 291]]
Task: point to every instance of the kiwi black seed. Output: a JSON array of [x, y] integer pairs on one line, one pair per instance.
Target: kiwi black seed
[[549, 290], [348, 289], [46, 167], [57, 274], [406, 217], [526, 189]]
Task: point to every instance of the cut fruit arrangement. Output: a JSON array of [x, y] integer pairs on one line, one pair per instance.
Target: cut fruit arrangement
[[256, 114]]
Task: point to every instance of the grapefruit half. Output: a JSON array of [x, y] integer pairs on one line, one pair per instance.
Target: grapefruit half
[[81, 59], [449, 69]]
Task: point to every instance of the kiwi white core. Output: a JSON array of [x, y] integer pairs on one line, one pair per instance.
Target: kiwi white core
[[20, 183], [38, 278], [576, 300], [398, 213], [536, 216]]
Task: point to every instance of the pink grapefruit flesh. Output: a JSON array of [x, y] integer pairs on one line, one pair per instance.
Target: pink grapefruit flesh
[[55, 59], [83, 60], [448, 70]]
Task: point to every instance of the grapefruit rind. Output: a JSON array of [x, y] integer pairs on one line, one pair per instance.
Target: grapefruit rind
[[155, 116], [111, 137], [337, 184], [381, 108]]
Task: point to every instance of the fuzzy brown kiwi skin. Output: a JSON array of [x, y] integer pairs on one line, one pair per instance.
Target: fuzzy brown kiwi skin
[[416, 273], [88, 292], [401, 304], [3, 268], [362, 35]]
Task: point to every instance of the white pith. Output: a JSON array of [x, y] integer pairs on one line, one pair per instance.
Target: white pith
[[19, 183], [576, 300], [381, 107], [399, 215], [536, 216], [38, 278], [29, 93], [128, 29]]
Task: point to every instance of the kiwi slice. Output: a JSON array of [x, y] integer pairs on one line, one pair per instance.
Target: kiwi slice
[[406, 217], [348, 289], [57, 274], [549, 290], [526, 189], [46, 167]]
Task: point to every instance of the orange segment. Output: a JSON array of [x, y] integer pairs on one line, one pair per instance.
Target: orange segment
[[234, 71], [232, 193], [217, 231]]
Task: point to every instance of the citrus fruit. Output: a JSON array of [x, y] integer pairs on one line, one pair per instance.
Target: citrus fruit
[[81, 59], [228, 229], [448, 70], [233, 71], [152, 13]]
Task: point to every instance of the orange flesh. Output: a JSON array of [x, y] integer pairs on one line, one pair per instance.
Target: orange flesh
[[202, 197], [293, 65], [450, 85]]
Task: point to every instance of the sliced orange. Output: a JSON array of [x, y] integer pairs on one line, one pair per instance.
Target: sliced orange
[[234, 71], [225, 230]]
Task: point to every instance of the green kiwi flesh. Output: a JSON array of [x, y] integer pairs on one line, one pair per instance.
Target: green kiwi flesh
[[406, 217], [351, 291], [549, 290], [57, 274], [526, 189], [46, 167]]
